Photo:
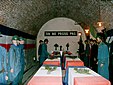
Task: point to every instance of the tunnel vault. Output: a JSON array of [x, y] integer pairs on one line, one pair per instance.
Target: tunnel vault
[[29, 15]]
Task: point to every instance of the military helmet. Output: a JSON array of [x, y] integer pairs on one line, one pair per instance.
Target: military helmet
[[21, 38], [15, 37]]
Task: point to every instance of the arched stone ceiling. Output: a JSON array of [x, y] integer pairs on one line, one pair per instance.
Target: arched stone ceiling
[[29, 15]]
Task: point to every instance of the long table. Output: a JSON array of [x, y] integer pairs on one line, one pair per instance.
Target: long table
[[69, 62], [55, 62], [92, 78], [43, 77], [74, 62]]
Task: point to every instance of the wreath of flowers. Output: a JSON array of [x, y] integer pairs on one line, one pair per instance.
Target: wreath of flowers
[[50, 68], [82, 70]]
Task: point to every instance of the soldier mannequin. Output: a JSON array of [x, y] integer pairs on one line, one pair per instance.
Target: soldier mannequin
[[3, 66], [22, 61], [14, 61]]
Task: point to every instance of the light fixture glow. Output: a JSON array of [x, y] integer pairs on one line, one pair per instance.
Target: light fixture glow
[[87, 31], [99, 24], [79, 33]]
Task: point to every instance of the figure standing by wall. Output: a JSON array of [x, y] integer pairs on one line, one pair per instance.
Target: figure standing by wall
[[93, 55], [87, 53], [81, 50], [95, 46], [40, 49], [22, 61], [3, 66], [14, 61], [44, 53], [103, 58]]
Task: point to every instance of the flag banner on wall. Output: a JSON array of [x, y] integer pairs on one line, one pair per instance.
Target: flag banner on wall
[[60, 33]]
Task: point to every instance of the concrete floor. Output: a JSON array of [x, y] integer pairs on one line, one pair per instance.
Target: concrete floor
[[29, 73]]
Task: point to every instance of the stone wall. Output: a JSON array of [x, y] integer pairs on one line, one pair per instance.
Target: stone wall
[[30, 15]]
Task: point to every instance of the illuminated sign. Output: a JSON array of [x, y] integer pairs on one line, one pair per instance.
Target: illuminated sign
[[60, 33]]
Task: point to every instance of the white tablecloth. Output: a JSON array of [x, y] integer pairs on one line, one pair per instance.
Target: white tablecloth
[[42, 77], [43, 72], [72, 73]]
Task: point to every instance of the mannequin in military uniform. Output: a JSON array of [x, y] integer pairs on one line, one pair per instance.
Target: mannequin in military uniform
[[3, 66], [22, 61], [14, 61]]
